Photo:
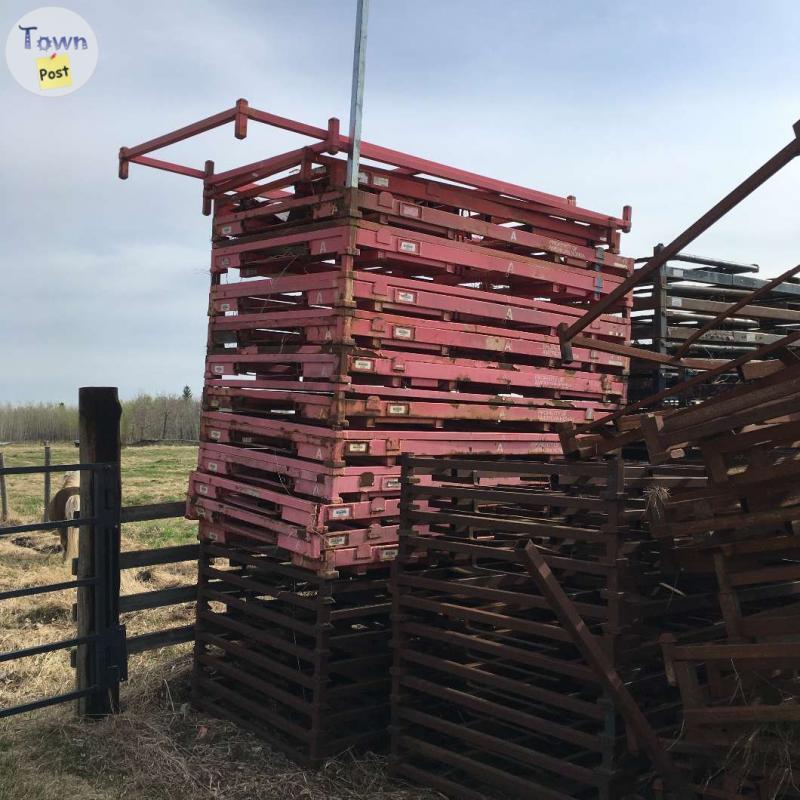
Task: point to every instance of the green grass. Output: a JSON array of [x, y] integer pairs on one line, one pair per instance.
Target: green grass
[[150, 474]]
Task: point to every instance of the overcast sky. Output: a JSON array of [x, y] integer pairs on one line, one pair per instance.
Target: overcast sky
[[662, 105]]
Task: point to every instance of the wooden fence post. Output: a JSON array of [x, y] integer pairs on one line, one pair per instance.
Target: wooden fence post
[[100, 663], [3, 492], [45, 514]]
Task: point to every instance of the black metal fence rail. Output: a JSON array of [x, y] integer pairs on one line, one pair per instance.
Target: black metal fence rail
[[91, 639]]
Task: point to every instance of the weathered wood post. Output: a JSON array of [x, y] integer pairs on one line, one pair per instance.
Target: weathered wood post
[[3, 492], [101, 662], [45, 514]]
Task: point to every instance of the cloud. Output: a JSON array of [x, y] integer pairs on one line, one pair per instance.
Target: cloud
[[663, 106]]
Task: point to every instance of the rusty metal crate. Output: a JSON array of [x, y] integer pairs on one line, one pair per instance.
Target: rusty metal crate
[[300, 477], [490, 696], [366, 406], [458, 300], [346, 551], [326, 368], [422, 204], [300, 660], [365, 447], [389, 250]]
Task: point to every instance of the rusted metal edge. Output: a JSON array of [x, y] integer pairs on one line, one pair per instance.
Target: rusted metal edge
[[597, 659]]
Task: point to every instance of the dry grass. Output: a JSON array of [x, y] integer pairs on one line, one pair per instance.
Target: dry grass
[[158, 748]]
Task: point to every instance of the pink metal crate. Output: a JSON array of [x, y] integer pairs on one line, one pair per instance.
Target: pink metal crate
[[309, 478], [369, 546], [286, 330], [408, 206], [417, 254], [325, 554], [309, 516], [343, 447], [318, 482], [402, 407], [413, 370], [394, 294]]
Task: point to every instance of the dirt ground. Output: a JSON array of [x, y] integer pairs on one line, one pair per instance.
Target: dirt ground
[[158, 748]]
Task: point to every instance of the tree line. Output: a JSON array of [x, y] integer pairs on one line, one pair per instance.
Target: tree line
[[144, 418]]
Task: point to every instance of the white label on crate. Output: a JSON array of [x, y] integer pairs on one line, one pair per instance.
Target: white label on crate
[[340, 513], [213, 402], [202, 488], [363, 177], [212, 466], [363, 364], [357, 447], [225, 307], [408, 247], [380, 180], [247, 440], [252, 491], [408, 210], [403, 333], [406, 297], [389, 554], [391, 483], [677, 302], [226, 229], [218, 369], [337, 541], [398, 409], [677, 272], [214, 435]]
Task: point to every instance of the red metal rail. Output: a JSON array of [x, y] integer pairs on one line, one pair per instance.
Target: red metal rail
[[332, 141], [784, 156]]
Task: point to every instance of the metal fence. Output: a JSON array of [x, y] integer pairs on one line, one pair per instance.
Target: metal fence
[[101, 646]]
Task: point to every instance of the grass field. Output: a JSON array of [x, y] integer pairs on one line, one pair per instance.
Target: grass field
[[157, 748]]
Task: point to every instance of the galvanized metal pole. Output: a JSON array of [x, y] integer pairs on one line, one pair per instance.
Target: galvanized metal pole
[[357, 92]]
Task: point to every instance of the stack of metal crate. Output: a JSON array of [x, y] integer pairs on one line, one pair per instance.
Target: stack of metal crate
[[416, 312], [683, 295], [412, 315], [491, 698]]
